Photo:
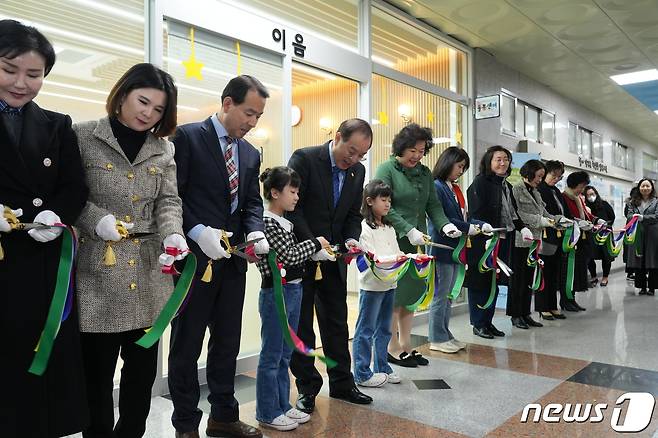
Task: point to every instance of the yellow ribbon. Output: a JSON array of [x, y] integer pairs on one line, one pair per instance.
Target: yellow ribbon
[[110, 258]]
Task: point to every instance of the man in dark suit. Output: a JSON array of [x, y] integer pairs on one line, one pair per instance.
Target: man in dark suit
[[218, 182], [329, 203]]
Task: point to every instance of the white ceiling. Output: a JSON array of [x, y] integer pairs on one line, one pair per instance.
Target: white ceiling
[[573, 46]]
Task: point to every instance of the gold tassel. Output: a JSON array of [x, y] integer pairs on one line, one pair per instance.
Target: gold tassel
[[468, 242], [207, 275], [2, 253], [318, 272], [545, 235], [110, 258], [559, 233]]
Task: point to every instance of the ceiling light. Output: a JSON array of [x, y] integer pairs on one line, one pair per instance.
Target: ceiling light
[[111, 10], [75, 87], [636, 77], [656, 111]]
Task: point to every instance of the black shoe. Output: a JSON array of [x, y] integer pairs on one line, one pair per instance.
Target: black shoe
[[531, 322], [518, 322], [558, 315], [352, 396], [405, 360], [305, 403], [578, 306], [420, 360], [569, 307], [483, 332], [494, 331], [643, 291], [548, 316], [650, 292]]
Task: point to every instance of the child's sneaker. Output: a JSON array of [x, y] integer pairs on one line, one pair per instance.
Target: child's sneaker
[[377, 380], [298, 416], [394, 378], [444, 347], [281, 423]]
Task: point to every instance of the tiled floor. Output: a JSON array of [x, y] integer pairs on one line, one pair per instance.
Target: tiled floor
[[591, 357]]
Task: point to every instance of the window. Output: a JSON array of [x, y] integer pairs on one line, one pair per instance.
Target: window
[[624, 156], [597, 146], [507, 113], [573, 138], [585, 142], [519, 126], [547, 128], [527, 121], [532, 123], [649, 164]]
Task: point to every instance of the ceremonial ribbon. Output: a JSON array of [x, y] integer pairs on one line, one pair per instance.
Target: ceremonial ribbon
[[57, 310], [488, 262], [289, 334], [459, 257], [631, 230], [569, 241], [534, 261], [173, 304]]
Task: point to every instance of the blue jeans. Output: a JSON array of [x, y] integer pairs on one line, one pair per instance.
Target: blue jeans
[[272, 378], [441, 306], [373, 326]]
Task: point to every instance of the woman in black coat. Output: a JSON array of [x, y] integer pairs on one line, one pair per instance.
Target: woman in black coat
[[40, 174], [602, 210], [490, 200]]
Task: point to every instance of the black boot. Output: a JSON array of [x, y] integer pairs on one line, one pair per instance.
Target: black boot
[[519, 322]]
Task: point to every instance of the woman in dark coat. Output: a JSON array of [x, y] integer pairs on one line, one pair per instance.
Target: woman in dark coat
[[41, 174], [643, 255], [490, 200], [602, 210]]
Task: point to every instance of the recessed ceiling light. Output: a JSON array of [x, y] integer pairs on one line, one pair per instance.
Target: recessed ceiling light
[[636, 77], [656, 111]]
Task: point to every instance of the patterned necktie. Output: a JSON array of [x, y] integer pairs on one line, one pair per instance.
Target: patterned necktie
[[335, 171], [11, 110], [231, 168]]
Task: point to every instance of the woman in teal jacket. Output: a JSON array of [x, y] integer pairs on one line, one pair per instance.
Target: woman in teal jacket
[[414, 200]]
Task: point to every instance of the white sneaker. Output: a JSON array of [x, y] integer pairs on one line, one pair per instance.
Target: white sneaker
[[457, 343], [377, 380], [281, 423], [298, 416], [394, 378], [444, 347]]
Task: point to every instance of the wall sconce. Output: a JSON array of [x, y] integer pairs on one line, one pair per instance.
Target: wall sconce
[[295, 115], [404, 111], [326, 125]]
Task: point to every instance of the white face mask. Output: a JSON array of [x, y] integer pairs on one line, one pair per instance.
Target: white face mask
[[591, 198]]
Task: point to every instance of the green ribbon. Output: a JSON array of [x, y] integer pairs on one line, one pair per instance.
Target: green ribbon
[[483, 268], [54, 319], [172, 305], [461, 268], [429, 283], [570, 250]]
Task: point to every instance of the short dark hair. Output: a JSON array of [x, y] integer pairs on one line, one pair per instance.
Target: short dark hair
[[17, 38], [146, 75], [278, 178], [553, 166], [352, 126], [372, 190], [576, 178], [447, 160], [238, 87], [530, 168], [485, 163], [409, 136]]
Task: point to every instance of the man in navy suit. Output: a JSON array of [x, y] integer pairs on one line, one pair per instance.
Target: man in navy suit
[[329, 202], [218, 182]]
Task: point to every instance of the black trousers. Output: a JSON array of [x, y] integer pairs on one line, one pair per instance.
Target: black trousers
[[646, 278], [326, 298], [99, 353], [546, 300], [605, 266], [519, 294], [218, 306]]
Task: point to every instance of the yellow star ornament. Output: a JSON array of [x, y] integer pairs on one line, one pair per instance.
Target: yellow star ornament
[[383, 118], [192, 66], [430, 117]]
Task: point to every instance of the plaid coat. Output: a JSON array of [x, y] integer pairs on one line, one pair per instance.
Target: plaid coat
[[291, 253]]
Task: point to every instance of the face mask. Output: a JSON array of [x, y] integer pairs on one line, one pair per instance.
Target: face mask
[[591, 198]]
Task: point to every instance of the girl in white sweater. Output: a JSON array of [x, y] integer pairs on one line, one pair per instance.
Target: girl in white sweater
[[376, 297]]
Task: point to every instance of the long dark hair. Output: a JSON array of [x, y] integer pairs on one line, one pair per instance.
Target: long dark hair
[[372, 190], [636, 197], [485, 163], [598, 202], [447, 160]]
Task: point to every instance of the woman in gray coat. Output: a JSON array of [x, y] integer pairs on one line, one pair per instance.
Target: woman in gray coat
[[643, 255], [131, 174]]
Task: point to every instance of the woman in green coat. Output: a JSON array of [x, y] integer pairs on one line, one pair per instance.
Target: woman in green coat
[[414, 199]]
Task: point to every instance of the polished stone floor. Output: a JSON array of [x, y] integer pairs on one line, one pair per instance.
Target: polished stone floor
[[591, 357]]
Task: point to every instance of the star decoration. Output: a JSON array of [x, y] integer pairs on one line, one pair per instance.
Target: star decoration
[[192, 66], [383, 118], [430, 117]]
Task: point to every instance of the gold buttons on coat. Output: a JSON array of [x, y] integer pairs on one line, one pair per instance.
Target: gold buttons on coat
[[127, 218], [152, 170], [134, 198], [132, 262], [131, 175], [109, 166], [136, 241], [133, 286]]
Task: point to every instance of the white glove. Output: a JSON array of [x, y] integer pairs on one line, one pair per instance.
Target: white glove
[[416, 237], [46, 217], [322, 256], [106, 228], [261, 247], [639, 217], [352, 243], [486, 228], [210, 243], [451, 230], [526, 234], [601, 222], [176, 241], [546, 222], [565, 221], [585, 225], [4, 225], [473, 230]]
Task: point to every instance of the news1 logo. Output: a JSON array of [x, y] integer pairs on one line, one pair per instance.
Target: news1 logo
[[638, 412]]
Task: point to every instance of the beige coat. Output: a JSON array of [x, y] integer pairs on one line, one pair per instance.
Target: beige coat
[[130, 294], [530, 208]]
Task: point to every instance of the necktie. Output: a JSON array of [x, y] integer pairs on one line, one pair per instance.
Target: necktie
[[11, 110], [335, 171], [231, 168]]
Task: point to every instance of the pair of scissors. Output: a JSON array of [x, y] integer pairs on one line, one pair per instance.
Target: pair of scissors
[[236, 250]]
